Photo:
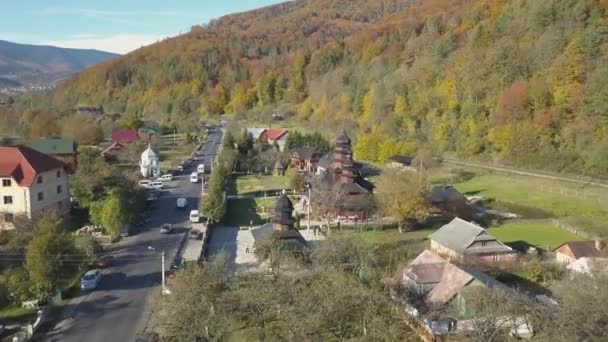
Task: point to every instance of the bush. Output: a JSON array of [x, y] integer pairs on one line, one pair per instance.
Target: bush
[[18, 285]]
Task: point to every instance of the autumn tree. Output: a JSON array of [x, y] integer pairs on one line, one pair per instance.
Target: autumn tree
[[400, 197], [51, 257]]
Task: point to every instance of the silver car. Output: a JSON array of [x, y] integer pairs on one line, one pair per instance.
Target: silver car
[[90, 280]]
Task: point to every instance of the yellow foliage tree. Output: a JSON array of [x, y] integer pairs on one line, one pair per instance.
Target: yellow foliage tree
[[567, 74], [400, 107], [367, 112], [503, 137]]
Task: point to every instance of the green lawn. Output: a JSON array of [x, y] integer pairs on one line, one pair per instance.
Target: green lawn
[[539, 233], [563, 199], [380, 237], [249, 184], [242, 211]]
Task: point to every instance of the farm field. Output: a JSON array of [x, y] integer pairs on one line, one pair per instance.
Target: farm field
[[538, 233], [562, 199]]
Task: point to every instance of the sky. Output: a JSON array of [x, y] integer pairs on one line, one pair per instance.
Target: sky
[[109, 25]]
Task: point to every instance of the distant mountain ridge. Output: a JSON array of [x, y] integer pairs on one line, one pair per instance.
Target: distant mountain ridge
[[27, 65]]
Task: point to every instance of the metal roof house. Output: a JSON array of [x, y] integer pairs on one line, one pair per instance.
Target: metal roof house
[[467, 242], [439, 280], [63, 149]]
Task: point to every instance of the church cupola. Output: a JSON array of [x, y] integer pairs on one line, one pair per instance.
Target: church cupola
[[283, 214]]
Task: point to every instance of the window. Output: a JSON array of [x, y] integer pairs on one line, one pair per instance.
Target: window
[[58, 189], [484, 243], [58, 173], [6, 182], [9, 218], [39, 179], [8, 199], [40, 196]]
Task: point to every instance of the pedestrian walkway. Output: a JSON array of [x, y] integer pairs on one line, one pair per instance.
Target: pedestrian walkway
[[193, 250], [245, 260]]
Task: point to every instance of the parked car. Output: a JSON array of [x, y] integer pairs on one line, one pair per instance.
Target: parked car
[[180, 168], [166, 228], [182, 203], [144, 183], [158, 185], [194, 234], [90, 280], [194, 177], [201, 168], [166, 178], [194, 216], [104, 261]]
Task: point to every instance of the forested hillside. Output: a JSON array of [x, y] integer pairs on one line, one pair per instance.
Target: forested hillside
[[520, 80], [22, 64]]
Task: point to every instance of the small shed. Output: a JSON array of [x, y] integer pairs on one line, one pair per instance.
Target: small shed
[[278, 169], [402, 162]]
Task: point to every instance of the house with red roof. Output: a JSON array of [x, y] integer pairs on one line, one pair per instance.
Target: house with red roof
[[31, 183], [278, 136], [125, 136]]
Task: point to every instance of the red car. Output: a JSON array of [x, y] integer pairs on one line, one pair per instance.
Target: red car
[[104, 261]]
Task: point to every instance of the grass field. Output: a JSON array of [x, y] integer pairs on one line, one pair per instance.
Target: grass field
[[243, 211], [560, 198], [541, 233], [249, 184], [379, 237]]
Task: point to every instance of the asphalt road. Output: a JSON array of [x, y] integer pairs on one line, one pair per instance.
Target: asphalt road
[[116, 310]]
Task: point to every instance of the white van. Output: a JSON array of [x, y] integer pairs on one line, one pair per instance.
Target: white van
[[166, 178], [194, 216], [194, 177], [157, 185], [182, 203], [201, 168], [144, 183]]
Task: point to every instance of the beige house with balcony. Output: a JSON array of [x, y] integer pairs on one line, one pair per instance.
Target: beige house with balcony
[[31, 183]]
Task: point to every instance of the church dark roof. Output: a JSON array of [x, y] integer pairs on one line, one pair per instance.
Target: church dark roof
[[289, 237], [290, 240], [283, 211], [343, 139]]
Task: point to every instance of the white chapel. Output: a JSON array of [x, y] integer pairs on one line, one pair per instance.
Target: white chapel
[[149, 164]]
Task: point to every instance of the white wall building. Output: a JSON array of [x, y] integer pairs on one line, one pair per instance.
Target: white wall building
[[31, 183], [149, 164]]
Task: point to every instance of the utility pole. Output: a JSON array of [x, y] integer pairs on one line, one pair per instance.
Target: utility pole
[[174, 137], [162, 266], [308, 209]]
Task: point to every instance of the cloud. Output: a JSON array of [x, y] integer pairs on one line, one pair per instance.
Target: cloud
[[120, 43]]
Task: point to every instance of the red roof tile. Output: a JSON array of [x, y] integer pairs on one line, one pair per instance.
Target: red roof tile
[[275, 134], [23, 164], [125, 136]]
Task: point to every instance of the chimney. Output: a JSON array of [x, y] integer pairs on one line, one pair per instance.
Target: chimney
[[599, 245]]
